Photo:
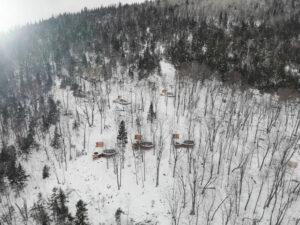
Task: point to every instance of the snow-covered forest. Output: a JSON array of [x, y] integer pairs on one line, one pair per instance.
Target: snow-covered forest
[[165, 112]]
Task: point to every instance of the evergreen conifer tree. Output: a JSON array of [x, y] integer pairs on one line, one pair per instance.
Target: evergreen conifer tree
[[39, 212], [53, 204], [17, 176], [122, 136], [56, 141], [151, 113], [75, 125], [118, 216], [60, 211], [63, 210], [46, 172], [53, 114], [81, 213]]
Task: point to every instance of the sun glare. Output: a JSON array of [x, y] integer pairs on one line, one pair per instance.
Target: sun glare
[[20, 12], [9, 15]]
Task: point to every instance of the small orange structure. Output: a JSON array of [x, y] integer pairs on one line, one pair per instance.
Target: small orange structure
[[164, 91], [138, 137], [99, 144], [292, 164], [175, 136]]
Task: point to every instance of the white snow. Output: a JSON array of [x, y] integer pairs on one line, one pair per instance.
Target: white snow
[[194, 113]]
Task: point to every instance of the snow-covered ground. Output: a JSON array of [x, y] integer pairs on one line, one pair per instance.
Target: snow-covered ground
[[242, 139]]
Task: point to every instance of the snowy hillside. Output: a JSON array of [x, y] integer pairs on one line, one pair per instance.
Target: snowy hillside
[[242, 168]]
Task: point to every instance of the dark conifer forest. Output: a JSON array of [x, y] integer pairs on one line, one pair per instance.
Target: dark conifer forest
[[245, 46]]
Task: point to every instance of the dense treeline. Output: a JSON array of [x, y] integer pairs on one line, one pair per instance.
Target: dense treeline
[[268, 10], [94, 44]]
